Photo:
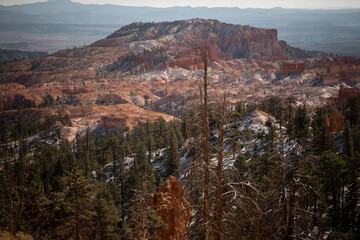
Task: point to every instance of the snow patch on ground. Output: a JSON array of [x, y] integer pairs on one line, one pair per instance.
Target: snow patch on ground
[[147, 45]]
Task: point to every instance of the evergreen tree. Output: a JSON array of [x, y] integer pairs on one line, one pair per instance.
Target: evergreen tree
[[348, 146], [331, 168], [353, 111], [140, 156], [350, 198], [176, 126], [149, 139], [301, 125], [101, 148], [356, 140], [4, 130], [172, 154], [323, 139], [270, 137], [73, 207], [114, 144], [289, 117], [240, 163], [106, 216], [160, 133]]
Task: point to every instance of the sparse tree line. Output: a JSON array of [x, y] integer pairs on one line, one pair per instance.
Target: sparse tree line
[[87, 189], [97, 187]]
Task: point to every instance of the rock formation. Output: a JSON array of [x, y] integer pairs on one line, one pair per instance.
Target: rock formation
[[344, 95], [172, 207], [157, 65], [225, 41], [335, 121], [291, 68]]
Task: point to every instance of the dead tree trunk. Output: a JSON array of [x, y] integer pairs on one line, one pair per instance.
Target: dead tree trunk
[[205, 126], [219, 187]]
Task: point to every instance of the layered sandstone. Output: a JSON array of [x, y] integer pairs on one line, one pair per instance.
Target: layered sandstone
[[158, 66], [291, 68], [187, 38]]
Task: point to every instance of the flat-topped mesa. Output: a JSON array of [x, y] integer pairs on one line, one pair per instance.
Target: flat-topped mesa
[[183, 40]]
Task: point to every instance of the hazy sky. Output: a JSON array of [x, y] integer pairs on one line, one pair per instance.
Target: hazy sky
[[326, 4]]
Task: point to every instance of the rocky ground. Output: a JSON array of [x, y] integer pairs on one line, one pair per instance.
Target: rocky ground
[[146, 67]]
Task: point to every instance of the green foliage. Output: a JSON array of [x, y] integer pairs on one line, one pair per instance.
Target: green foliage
[[156, 224], [161, 133], [323, 139], [331, 170], [262, 168], [273, 106], [347, 139], [106, 217], [270, 137], [63, 199], [74, 207], [356, 139], [301, 125], [240, 164], [352, 111], [172, 154]]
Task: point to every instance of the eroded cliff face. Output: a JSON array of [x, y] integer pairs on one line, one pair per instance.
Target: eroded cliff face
[[154, 66], [185, 39], [172, 207]]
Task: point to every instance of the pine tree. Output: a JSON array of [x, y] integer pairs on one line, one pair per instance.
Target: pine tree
[[323, 139], [106, 215], [4, 130], [149, 139], [348, 146], [140, 156], [331, 168], [73, 207], [357, 140], [114, 144], [172, 154], [353, 111], [102, 147], [161, 133], [289, 117], [301, 125], [240, 163], [177, 127], [270, 137]]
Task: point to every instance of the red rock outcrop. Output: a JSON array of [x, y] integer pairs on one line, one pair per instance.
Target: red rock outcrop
[[332, 70], [345, 93], [347, 60], [144, 64], [172, 207], [291, 68], [237, 40], [335, 121], [120, 124]]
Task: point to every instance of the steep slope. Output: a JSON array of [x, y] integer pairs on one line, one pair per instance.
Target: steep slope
[[157, 66], [226, 40]]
